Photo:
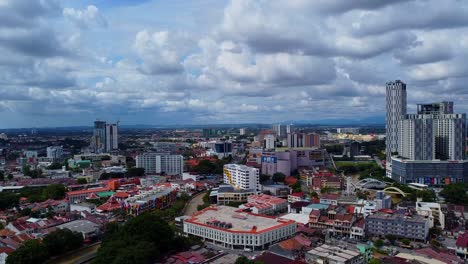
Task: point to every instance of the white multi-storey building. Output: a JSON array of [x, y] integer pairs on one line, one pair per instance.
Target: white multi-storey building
[[242, 177], [242, 131], [227, 227], [55, 152], [269, 142], [396, 109], [161, 163], [435, 132]]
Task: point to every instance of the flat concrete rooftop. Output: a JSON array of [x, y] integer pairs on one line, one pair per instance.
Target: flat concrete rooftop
[[240, 221]]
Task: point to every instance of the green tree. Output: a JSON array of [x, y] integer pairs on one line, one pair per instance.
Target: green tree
[[374, 261], [135, 172], [31, 252], [426, 195], [81, 181], [148, 234], [406, 241], [391, 238], [62, 240], [54, 191], [10, 176], [326, 189], [296, 187], [8, 200], [378, 243], [55, 166], [245, 260], [278, 177], [456, 193], [2, 176], [264, 177]]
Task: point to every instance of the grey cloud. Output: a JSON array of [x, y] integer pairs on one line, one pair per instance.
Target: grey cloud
[[419, 15], [420, 54], [24, 13], [35, 42], [341, 6]]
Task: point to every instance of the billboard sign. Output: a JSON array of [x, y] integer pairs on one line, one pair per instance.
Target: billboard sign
[[266, 159]]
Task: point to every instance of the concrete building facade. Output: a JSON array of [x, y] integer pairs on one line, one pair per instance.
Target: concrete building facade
[[242, 177], [229, 227], [161, 163]]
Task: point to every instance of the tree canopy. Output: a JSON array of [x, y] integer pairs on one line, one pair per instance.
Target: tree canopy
[[62, 240], [142, 239], [278, 177], [31, 252], [456, 193]]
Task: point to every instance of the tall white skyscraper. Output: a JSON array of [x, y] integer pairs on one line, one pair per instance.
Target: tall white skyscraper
[[242, 177], [105, 137], [396, 109]]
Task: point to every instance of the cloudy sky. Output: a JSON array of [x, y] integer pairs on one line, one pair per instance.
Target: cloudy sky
[[158, 62]]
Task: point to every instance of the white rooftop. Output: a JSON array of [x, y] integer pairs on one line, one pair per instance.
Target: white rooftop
[[298, 218], [240, 221]]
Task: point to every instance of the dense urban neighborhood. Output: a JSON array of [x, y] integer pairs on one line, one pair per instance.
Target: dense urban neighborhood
[[257, 194]]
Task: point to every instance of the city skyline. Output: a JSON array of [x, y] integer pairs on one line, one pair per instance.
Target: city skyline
[[225, 62]]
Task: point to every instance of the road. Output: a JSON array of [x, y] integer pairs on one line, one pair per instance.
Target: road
[[80, 256], [192, 205]]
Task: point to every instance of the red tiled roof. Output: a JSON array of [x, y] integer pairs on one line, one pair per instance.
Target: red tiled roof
[[6, 250], [290, 180], [462, 240], [88, 191], [329, 196], [299, 194], [121, 195]]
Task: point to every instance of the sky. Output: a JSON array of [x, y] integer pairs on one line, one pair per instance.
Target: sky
[[169, 62]]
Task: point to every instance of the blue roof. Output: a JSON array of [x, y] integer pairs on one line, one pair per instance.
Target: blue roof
[[318, 206]]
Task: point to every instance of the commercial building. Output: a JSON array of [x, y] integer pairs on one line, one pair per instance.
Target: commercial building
[[279, 190], [87, 228], [54, 153], [333, 255], [396, 109], [225, 194], [242, 177], [157, 163], [287, 160], [157, 198], [429, 172], [265, 204], [229, 227], [433, 212], [400, 224], [427, 147], [79, 196], [303, 140]]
